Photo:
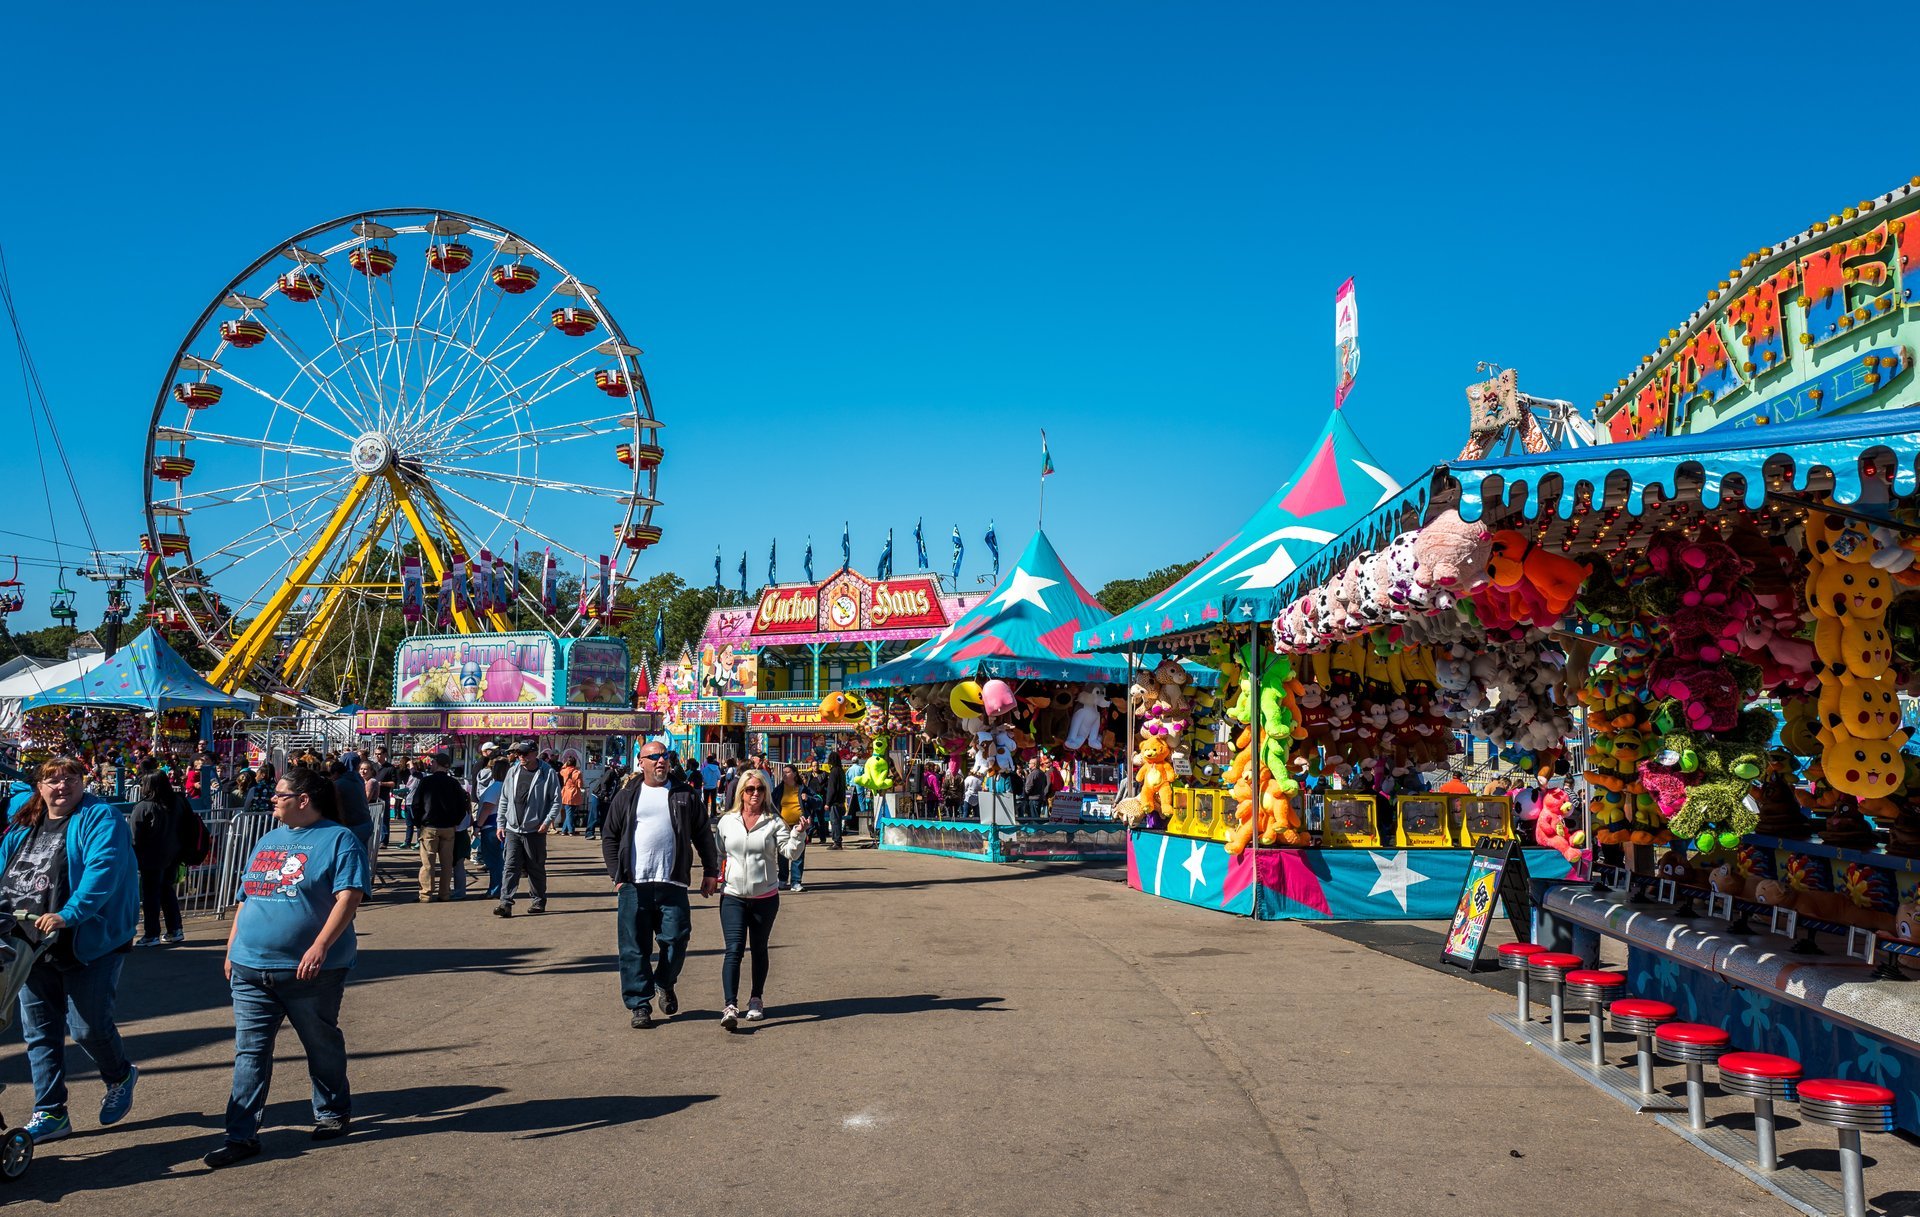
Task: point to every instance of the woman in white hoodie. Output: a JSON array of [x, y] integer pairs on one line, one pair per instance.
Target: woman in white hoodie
[[752, 838]]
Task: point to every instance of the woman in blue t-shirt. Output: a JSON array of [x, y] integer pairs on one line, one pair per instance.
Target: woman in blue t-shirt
[[288, 956]]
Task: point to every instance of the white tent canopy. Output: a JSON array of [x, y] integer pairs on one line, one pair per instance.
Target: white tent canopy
[[33, 681]]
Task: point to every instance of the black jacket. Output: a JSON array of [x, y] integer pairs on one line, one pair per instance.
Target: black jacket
[[690, 833], [440, 801], [156, 835], [1036, 785]]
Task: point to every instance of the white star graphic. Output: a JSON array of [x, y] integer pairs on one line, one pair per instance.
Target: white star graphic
[[1196, 868], [1395, 876], [1026, 587]]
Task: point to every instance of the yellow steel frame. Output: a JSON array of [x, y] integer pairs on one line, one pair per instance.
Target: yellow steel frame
[[462, 620], [300, 659], [253, 641], [495, 619]]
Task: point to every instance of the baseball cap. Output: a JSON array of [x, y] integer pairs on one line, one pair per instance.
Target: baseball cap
[[523, 746]]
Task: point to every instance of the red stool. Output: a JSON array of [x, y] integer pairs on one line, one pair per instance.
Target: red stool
[[1597, 989], [1514, 957], [1551, 968], [1640, 1018], [1693, 1045], [1853, 1108], [1766, 1079]]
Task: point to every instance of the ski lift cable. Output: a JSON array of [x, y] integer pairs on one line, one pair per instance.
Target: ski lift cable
[[37, 395]]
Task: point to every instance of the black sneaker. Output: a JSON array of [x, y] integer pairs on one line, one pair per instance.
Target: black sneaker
[[330, 1128], [643, 1017], [669, 1001], [503, 909], [230, 1153]]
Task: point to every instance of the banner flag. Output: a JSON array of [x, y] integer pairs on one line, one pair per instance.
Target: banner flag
[[1346, 342]]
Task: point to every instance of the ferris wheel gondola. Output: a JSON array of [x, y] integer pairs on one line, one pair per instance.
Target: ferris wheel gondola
[[326, 424]]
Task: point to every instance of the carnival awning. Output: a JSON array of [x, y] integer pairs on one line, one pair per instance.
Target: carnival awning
[[1748, 463], [1339, 482], [1023, 630], [146, 674]]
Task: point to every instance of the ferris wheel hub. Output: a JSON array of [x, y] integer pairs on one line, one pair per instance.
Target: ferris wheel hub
[[372, 453]]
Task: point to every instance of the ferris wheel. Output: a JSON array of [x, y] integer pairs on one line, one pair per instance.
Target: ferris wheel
[[367, 433]]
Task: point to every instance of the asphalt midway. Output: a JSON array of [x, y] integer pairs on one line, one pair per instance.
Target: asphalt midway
[[943, 1037]]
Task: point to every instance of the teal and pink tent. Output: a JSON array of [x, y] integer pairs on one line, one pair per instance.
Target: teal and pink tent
[[1024, 630], [1337, 484], [146, 674]]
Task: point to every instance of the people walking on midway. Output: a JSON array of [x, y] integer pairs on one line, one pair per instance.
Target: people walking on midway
[[1037, 788], [710, 786], [350, 795], [791, 803], [836, 798], [67, 868], [486, 824], [288, 955], [603, 791], [573, 794], [440, 804], [376, 794], [652, 832], [260, 794], [754, 839], [156, 850], [529, 807]]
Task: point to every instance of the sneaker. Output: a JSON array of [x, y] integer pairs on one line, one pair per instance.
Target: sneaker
[[330, 1128], [119, 1099], [176, 936], [49, 1126], [147, 941], [728, 1018], [669, 1001], [503, 909], [230, 1153], [798, 887], [755, 1010], [642, 1017]]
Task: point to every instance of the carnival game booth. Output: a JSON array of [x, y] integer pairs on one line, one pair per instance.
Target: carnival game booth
[[997, 688], [1290, 822], [460, 690]]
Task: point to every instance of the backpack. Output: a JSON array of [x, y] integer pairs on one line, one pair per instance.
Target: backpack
[[196, 844]]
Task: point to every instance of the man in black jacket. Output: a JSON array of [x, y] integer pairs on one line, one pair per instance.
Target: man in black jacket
[[440, 804], [648, 840]]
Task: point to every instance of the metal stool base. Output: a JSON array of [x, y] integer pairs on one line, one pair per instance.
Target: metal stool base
[[1622, 1084], [1805, 1192]]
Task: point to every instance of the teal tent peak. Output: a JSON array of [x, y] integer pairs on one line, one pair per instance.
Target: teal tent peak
[[1337, 482], [146, 674]]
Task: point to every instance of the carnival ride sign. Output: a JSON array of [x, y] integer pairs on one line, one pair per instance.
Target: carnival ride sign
[[799, 716], [1803, 330], [476, 669], [848, 602], [597, 672]]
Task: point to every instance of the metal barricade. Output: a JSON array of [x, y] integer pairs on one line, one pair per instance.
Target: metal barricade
[[210, 888]]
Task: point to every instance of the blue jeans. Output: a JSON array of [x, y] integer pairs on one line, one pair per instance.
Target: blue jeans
[[493, 856], [747, 924], [261, 1000], [82, 1000], [595, 806], [648, 911]]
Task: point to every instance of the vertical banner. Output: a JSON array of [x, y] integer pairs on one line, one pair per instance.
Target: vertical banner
[[1346, 342], [550, 583], [503, 585], [413, 591], [462, 587], [958, 550], [445, 618], [481, 577], [603, 588]]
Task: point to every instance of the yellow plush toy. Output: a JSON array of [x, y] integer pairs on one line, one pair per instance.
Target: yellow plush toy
[[1867, 707], [1864, 768], [1155, 775], [1847, 589], [965, 700]]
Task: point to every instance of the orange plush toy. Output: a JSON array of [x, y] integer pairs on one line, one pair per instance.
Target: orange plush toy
[[1554, 580], [1155, 775]]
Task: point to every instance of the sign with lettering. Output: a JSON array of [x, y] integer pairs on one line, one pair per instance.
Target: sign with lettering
[[367, 721], [632, 721], [597, 672], [1805, 329], [804, 715], [1496, 874], [850, 602], [475, 669]]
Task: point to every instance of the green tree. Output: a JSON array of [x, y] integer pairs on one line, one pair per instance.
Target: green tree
[[1122, 594], [667, 595]]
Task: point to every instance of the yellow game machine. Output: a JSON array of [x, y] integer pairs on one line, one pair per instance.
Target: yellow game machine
[[1484, 816], [1423, 822], [1349, 821]]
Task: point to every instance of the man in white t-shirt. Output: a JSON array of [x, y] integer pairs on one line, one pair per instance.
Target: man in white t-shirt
[[648, 841]]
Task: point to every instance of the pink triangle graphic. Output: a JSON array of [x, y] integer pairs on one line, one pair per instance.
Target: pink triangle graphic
[[1319, 487]]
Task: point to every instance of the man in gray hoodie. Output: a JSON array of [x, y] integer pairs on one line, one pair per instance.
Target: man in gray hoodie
[[529, 805]]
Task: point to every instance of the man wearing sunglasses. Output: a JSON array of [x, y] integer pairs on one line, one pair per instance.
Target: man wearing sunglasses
[[648, 840]]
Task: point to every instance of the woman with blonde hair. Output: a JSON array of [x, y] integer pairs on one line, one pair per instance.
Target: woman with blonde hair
[[753, 837]]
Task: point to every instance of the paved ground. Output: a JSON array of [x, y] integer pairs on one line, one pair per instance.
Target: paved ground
[[946, 1037]]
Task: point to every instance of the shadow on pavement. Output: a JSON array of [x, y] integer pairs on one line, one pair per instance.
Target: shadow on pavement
[[860, 1007], [437, 1109]]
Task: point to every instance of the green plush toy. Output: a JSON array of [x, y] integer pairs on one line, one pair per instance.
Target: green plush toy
[[1719, 807], [876, 776]]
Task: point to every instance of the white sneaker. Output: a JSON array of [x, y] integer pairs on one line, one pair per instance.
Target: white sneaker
[[755, 1011], [798, 887], [728, 1018]]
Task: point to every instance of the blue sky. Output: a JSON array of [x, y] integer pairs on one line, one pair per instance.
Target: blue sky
[[871, 249]]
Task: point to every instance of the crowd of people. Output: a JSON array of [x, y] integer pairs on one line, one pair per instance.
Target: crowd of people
[[83, 884]]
